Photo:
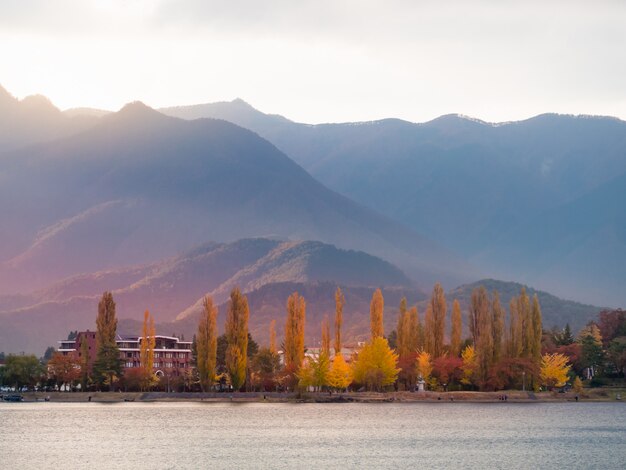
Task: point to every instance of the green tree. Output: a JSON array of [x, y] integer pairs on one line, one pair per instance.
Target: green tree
[[107, 365], [22, 371], [237, 337]]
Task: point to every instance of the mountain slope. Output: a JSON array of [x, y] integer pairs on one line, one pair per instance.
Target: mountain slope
[[171, 288]]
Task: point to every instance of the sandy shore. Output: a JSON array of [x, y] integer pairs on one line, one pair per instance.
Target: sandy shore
[[357, 397]]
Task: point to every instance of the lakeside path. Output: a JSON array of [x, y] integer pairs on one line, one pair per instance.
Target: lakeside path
[[515, 396]]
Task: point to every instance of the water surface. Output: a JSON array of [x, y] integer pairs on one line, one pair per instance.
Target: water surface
[[284, 435]]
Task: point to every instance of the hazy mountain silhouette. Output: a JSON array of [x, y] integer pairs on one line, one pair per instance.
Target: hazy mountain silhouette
[[484, 190], [139, 186]]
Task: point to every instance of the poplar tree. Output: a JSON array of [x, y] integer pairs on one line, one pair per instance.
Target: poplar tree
[[377, 307], [456, 329], [107, 364], [439, 311], [479, 306], [206, 344], [273, 337], [294, 332], [400, 329], [523, 310], [484, 345], [497, 313], [146, 351], [339, 303], [414, 329], [429, 330], [325, 336], [515, 330], [537, 329], [237, 338]]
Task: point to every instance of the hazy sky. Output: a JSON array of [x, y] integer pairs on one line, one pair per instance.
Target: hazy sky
[[317, 61]]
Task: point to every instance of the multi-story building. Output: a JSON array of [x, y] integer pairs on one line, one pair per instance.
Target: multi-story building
[[172, 356]]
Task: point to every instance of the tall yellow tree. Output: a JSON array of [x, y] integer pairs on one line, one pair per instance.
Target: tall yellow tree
[[515, 331], [236, 331], [402, 333], [523, 310], [429, 330], [456, 329], [377, 307], [537, 329], [439, 310], [339, 303], [414, 329], [294, 332], [206, 344], [146, 352], [376, 364], [469, 365]]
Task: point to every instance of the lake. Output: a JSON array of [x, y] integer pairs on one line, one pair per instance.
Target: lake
[[286, 435]]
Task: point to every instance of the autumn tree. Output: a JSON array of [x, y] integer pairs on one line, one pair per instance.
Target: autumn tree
[[497, 321], [84, 364], [528, 331], [236, 330], [402, 331], [206, 344], [469, 365], [107, 365], [325, 349], [339, 303], [424, 365], [377, 307], [429, 330], [340, 374], [407, 344], [273, 337], [314, 373], [294, 332], [265, 367], [515, 330], [456, 329], [376, 365], [146, 351], [479, 307], [554, 370], [64, 370], [439, 311], [537, 330]]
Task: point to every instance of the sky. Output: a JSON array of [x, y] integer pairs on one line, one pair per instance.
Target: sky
[[322, 61]]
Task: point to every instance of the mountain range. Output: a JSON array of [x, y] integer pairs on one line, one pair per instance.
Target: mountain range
[[535, 200]]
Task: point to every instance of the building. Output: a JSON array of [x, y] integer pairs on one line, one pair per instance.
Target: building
[[172, 356]]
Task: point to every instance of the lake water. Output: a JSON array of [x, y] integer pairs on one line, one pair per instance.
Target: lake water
[[264, 435]]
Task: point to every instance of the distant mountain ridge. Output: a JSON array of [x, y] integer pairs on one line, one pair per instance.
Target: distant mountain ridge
[[482, 189]]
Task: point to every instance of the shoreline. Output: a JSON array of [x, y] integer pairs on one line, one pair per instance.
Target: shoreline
[[513, 396]]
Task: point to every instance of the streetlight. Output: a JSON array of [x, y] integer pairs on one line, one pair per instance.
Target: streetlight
[[523, 381]]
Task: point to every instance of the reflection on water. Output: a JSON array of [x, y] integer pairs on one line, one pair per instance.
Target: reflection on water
[[225, 435]]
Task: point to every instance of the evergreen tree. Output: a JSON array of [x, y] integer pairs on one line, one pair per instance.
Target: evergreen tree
[[236, 331], [107, 364]]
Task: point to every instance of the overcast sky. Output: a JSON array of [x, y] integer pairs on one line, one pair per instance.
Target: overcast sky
[[322, 61]]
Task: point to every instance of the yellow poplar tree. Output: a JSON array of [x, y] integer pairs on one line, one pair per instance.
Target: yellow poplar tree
[[339, 303], [236, 331], [377, 307], [523, 310], [326, 336], [402, 333], [294, 332], [537, 329], [456, 330], [429, 330], [497, 313], [554, 370], [206, 344], [146, 352]]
